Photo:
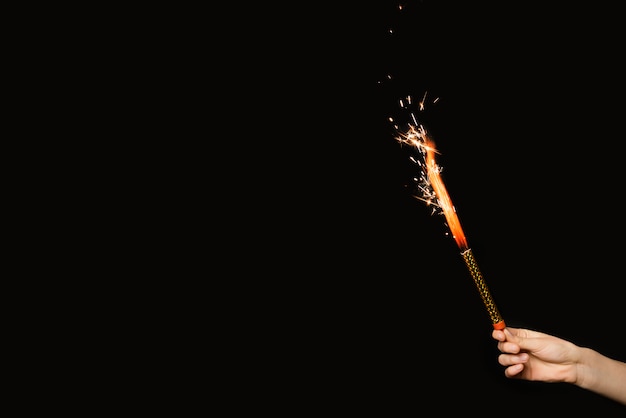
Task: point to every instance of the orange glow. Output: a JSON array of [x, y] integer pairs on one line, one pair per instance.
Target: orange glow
[[433, 190], [444, 201]]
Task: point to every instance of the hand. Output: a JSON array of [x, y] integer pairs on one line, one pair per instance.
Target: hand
[[533, 355]]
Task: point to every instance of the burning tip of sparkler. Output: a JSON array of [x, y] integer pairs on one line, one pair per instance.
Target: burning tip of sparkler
[[417, 137], [431, 187], [433, 192]]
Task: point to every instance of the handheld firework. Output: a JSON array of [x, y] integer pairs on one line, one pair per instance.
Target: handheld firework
[[433, 191]]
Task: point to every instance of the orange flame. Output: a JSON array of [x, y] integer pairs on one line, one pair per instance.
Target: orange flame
[[443, 198]]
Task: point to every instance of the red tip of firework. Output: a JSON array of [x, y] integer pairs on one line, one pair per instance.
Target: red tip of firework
[[499, 325]]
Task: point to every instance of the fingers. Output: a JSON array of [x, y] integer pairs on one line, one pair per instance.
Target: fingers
[[512, 334], [509, 347], [498, 335], [510, 342], [512, 359], [514, 363], [522, 333], [513, 370], [503, 344], [507, 342], [507, 333]]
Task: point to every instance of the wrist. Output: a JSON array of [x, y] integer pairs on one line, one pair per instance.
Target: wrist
[[585, 371]]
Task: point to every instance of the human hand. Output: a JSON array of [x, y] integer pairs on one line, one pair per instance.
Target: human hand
[[532, 355]]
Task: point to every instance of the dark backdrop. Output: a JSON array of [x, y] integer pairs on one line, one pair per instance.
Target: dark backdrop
[[374, 298]]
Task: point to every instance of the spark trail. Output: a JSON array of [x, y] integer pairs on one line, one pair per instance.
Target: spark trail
[[433, 191]]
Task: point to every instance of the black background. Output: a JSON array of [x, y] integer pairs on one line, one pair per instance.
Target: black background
[[372, 307]]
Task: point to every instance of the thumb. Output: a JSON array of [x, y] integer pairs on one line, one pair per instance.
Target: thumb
[[525, 339]]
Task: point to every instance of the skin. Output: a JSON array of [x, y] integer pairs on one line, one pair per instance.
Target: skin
[[532, 355]]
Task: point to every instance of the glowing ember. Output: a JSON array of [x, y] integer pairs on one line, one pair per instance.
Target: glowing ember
[[433, 191], [431, 186]]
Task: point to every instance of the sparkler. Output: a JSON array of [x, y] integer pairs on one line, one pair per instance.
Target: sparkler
[[433, 191]]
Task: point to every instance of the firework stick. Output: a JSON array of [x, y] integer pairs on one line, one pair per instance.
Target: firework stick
[[443, 198], [466, 252], [432, 181], [494, 314]]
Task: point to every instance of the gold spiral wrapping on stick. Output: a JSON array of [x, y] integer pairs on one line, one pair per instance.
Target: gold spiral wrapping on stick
[[494, 314]]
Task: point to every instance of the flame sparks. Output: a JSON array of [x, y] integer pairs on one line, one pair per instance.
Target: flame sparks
[[433, 191], [430, 185]]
